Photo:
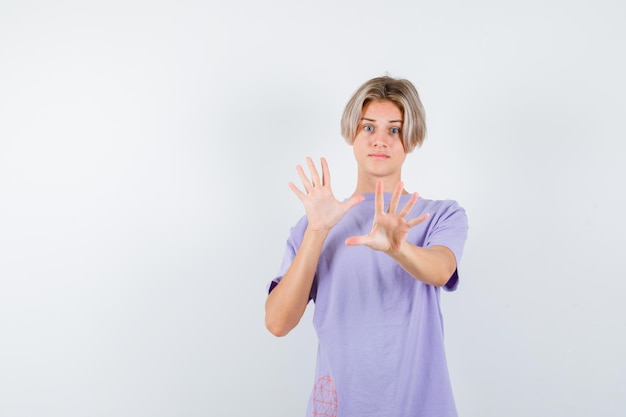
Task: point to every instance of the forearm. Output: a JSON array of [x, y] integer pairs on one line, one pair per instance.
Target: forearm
[[287, 302], [434, 265]]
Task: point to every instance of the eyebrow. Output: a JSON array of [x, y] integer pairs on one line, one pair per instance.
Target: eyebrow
[[373, 120]]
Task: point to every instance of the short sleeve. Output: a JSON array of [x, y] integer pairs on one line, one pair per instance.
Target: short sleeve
[[449, 228], [291, 247], [290, 253]]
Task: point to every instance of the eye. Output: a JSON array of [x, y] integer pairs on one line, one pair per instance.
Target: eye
[[368, 128], [395, 130]]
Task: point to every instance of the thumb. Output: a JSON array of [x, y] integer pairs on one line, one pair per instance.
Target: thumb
[[355, 241], [354, 200]]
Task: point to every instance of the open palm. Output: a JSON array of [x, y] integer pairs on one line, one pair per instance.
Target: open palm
[[323, 210], [390, 229]]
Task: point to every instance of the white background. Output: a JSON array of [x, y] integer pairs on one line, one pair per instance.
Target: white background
[[145, 150]]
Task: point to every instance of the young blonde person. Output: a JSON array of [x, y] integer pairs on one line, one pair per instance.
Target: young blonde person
[[374, 265]]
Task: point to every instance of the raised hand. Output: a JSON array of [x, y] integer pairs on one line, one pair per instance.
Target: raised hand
[[323, 210], [390, 229]]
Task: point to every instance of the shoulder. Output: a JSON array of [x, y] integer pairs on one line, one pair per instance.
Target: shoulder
[[440, 207], [445, 215]]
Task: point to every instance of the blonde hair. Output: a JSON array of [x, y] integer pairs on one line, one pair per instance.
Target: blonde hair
[[403, 94]]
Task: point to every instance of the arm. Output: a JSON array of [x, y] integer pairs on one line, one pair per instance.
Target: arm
[[434, 265], [287, 302]]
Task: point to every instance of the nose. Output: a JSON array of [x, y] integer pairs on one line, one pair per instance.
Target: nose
[[380, 139]]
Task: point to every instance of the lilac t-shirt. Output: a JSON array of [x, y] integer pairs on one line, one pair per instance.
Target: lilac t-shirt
[[381, 348]]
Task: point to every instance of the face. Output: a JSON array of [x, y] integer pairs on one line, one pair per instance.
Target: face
[[377, 144]]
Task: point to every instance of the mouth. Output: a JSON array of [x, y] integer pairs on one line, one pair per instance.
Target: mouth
[[378, 156]]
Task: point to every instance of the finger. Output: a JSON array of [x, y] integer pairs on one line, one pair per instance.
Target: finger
[[409, 205], [354, 200], [356, 241], [379, 201], [305, 180], [325, 172], [297, 191], [418, 220], [395, 198], [315, 177]]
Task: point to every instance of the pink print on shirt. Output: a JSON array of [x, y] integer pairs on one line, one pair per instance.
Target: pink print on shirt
[[325, 398]]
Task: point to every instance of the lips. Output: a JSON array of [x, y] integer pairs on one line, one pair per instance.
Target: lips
[[378, 156]]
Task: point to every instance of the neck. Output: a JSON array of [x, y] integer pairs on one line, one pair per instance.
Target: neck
[[368, 185]]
